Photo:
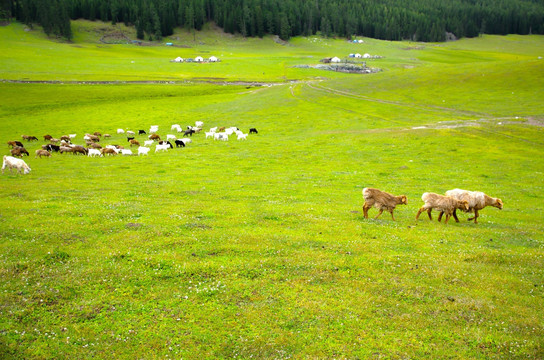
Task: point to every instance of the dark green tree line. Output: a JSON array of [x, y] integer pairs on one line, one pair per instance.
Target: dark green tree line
[[422, 20]]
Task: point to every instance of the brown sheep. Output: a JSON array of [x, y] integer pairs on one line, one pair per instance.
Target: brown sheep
[[154, 137], [47, 137], [94, 146], [107, 135], [381, 201], [65, 138], [66, 149], [19, 151], [134, 142], [477, 200], [96, 133], [445, 204], [78, 149], [40, 153], [106, 151]]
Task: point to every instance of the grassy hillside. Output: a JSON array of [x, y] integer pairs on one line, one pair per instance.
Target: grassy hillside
[[259, 248]]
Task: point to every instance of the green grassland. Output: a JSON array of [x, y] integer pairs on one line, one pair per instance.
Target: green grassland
[[259, 248]]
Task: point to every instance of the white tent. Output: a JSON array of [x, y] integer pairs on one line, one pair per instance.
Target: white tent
[[366, 56], [178, 59], [335, 60], [213, 59], [199, 59], [358, 55]]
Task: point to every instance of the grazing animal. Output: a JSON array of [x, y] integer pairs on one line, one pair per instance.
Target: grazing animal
[[134, 142], [51, 147], [13, 163], [221, 136], [47, 137], [130, 138], [445, 204], [242, 136], [142, 150], [141, 132], [72, 136], [214, 129], [94, 138], [253, 131], [154, 137], [126, 152], [222, 128], [65, 138], [148, 142], [162, 142], [381, 200], [131, 133], [154, 128], [96, 133], [94, 152], [189, 132], [29, 138], [120, 131], [108, 151], [19, 151], [66, 149], [106, 136], [170, 137], [162, 147], [78, 149], [95, 146], [180, 143], [477, 200], [54, 140], [209, 134], [41, 152], [15, 143], [175, 127]]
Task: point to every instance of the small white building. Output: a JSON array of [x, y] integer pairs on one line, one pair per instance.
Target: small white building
[[366, 56], [178, 59], [213, 59], [199, 59], [335, 60], [358, 55]]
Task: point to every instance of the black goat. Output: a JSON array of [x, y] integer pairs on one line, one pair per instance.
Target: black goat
[[253, 131], [180, 143], [141, 132]]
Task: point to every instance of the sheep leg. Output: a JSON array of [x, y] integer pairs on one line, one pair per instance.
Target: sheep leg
[[419, 212], [391, 211], [365, 210], [379, 213], [447, 218], [440, 216], [455, 215], [429, 213], [475, 218]]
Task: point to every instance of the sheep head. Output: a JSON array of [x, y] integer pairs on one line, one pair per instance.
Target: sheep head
[[463, 205], [403, 199], [498, 204]]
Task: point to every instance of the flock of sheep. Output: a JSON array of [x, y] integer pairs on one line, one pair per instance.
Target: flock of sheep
[[467, 201]]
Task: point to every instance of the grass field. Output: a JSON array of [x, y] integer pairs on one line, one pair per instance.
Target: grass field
[[259, 248]]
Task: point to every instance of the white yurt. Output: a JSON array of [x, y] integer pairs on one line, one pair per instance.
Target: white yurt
[[178, 59], [335, 59], [199, 59], [213, 59], [358, 55]]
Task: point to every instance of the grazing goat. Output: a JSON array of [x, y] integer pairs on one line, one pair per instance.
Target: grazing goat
[[126, 152], [72, 136], [13, 163], [134, 142], [253, 131], [41, 152], [162, 142], [51, 147], [170, 137], [154, 137], [148, 142], [131, 133], [142, 150], [154, 128], [176, 127], [106, 136], [209, 134], [15, 143], [141, 132], [95, 146], [96, 133], [29, 138], [477, 200], [189, 132], [242, 136], [78, 149], [66, 149], [47, 137], [221, 136], [161, 147], [199, 124], [108, 151], [94, 152], [120, 131], [65, 138], [445, 204], [180, 143], [381, 200], [19, 151]]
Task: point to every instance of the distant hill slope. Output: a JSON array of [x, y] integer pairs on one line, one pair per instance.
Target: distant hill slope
[[421, 20]]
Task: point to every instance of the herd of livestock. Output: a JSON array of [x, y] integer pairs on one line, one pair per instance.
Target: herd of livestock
[[457, 199]]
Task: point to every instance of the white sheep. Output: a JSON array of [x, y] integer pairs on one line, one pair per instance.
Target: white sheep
[[161, 147], [176, 127], [170, 137], [213, 130], [242, 136], [154, 128], [209, 134], [199, 124], [71, 136], [126, 152], [120, 131], [142, 150], [148, 142], [444, 204], [114, 148], [131, 133], [94, 152], [186, 141], [19, 165], [477, 200], [221, 136]]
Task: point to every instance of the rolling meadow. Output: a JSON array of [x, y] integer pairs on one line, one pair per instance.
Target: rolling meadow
[[259, 248]]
